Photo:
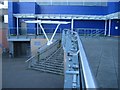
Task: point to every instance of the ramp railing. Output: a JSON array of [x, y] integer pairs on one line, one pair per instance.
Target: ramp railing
[[77, 70]]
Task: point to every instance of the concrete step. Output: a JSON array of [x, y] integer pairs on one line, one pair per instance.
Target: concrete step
[[51, 66], [49, 71], [52, 63], [52, 60]]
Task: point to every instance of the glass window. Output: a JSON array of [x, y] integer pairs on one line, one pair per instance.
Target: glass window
[[74, 3], [59, 3], [44, 3]]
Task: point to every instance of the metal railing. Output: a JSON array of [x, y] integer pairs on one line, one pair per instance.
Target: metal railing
[[85, 74], [88, 76], [34, 32], [42, 50], [89, 32], [30, 32]]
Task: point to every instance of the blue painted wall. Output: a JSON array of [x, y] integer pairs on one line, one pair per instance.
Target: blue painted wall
[[89, 24], [31, 28], [27, 7], [113, 7], [22, 8], [37, 8], [11, 19], [80, 10], [33, 8], [115, 32]]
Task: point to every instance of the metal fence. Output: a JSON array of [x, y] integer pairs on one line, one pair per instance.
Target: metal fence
[[34, 32], [30, 32], [89, 32]]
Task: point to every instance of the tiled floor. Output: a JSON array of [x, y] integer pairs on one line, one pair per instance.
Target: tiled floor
[[102, 54]]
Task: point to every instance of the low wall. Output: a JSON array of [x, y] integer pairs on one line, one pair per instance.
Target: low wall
[[35, 44]]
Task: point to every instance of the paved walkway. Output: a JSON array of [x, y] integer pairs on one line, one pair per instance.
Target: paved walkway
[[102, 54], [0, 71], [16, 75]]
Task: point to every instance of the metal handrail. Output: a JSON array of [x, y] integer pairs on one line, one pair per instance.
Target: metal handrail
[[86, 71], [81, 31], [33, 55], [51, 55], [37, 53], [88, 77], [30, 58]]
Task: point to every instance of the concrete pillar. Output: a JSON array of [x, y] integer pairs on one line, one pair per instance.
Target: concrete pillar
[[105, 27], [109, 33], [72, 23], [11, 49]]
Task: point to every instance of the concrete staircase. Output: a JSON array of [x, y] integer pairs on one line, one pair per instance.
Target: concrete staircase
[[53, 64]]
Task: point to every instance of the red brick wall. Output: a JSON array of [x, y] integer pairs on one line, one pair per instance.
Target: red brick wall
[[3, 39], [0, 41]]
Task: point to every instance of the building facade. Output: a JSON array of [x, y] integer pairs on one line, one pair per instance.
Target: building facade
[[102, 16]]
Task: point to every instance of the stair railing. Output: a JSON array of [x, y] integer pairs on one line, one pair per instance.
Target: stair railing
[[35, 58]]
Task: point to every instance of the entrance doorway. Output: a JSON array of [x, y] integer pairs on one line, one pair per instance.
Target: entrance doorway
[[22, 49]]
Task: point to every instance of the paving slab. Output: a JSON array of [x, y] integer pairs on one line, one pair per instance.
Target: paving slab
[[102, 54]]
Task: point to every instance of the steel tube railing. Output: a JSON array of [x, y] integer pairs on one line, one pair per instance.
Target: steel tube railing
[[88, 77], [33, 59], [85, 71]]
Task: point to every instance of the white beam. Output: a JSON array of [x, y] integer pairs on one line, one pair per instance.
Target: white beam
[[105, 27], [33, 21], [40, 22], [54, 33], [109, 28], [47, 22]]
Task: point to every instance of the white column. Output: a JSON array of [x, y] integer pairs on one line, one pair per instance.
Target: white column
[[51, 2], [37, 28], [44, 32], [72, 23], [11, 47], [67, 2], [109, 28], [17, 27], [105, 27]]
